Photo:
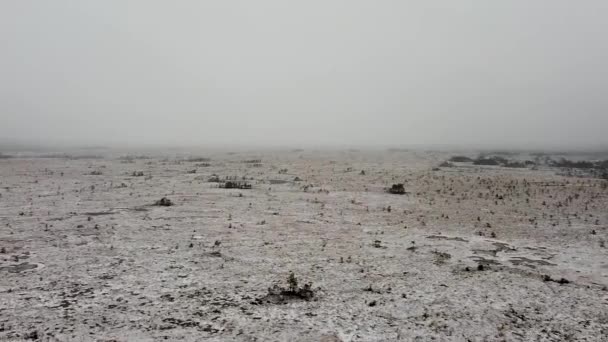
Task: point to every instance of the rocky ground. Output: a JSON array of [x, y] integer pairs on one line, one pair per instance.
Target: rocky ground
[[469, 253]]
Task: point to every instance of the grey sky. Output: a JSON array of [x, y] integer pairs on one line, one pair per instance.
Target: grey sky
[[305, 72]]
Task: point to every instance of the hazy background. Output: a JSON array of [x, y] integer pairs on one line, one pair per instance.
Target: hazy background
[[514, 73]]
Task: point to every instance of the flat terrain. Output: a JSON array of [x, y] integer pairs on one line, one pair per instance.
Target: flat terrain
[[469, 253]]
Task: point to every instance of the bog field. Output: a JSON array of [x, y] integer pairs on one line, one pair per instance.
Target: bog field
[[303, 245]]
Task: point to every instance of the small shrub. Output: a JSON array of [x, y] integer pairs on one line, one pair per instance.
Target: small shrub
[[292, 281], [561, 281], [397, 189], [164, 202], [279, 295]]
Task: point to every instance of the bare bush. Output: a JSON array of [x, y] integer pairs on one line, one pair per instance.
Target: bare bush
[[164, 202], [397, 189]]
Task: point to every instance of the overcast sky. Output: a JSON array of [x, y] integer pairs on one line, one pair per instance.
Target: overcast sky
[[512, 72]]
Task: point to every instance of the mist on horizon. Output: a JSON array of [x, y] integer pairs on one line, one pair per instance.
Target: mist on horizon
[[269, 72]]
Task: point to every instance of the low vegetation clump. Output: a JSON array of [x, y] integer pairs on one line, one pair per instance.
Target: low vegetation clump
[[585, 168], [164, 202], [278, 294], [197, 159], [214, 179], [235, 185], [461, 159], [565, 163], [132, 158], [515, 164], [137, 174], [397, 189], [441, 257], [491, 161], [559, 281], [84, 156]]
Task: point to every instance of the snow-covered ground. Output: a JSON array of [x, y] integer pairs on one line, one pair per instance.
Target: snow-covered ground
[[468, 254]]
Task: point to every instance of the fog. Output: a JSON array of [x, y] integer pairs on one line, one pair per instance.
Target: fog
[[367, 73]]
